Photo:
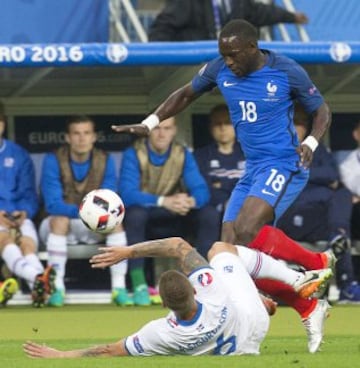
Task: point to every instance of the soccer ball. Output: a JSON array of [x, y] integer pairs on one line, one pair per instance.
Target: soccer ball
[[101, 210]]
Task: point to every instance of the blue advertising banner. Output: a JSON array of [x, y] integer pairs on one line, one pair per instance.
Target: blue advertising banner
[[163, 53]]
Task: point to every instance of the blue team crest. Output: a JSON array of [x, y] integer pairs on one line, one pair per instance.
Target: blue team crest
[[205, 279]]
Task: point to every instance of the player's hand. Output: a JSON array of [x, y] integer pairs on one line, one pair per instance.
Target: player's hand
[[301, 18], [139, 129], [34, 350], [6, 221], [179, 203], [306, 155], [19, 217], [109, 256]]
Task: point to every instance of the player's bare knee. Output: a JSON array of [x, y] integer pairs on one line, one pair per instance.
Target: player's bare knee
[[27, 245], [220, 247], [245, 233], [228, 233], [118, 229], [60, 225]]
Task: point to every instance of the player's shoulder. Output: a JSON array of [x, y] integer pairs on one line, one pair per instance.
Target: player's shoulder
[[279, 61], [213, 66], [15, 147]]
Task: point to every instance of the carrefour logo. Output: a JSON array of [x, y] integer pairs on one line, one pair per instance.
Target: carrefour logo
[[116, 53]]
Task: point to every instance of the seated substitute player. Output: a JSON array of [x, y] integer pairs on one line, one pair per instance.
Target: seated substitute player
[[165, 195], [221, 162], [259, 87], [67, 175], [18, 205], [203, 319]]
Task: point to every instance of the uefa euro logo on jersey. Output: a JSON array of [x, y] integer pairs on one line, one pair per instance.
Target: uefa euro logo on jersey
[[205, 279]]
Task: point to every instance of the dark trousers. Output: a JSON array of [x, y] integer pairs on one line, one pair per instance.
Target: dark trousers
[[318, 215], [355, 221], [201, 227]]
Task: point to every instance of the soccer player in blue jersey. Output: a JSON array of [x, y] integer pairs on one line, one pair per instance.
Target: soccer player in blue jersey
[[259, 87]]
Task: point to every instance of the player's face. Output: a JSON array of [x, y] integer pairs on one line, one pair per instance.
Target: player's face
[[162, 136], [239, 55], [81, 138], [221, 128]]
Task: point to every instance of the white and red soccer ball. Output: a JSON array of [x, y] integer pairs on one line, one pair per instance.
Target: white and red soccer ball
[[101, 210]]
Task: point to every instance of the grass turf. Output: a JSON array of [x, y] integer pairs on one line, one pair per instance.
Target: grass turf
[[74, 327]]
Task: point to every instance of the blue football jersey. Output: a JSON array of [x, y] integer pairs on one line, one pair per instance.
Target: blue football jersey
[[261, 104]]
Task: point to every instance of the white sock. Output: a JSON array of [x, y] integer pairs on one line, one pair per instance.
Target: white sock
[[57, 257], [261, 266], [117, 271], [33, 260], [18, 264]]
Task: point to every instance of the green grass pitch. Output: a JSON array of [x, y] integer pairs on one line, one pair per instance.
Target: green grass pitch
[[79, 326]]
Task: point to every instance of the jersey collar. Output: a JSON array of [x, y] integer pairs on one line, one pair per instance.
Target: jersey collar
[[190, 322]]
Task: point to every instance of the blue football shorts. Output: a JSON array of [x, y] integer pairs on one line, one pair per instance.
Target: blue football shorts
[[279, 184]]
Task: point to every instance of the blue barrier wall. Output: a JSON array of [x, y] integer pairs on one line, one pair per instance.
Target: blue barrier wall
[[57, 21], [163, 53], [336, 20]]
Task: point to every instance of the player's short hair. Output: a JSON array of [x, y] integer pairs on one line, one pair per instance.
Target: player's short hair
[[220, 108], [176, 291], [240, 28], [77, 119]]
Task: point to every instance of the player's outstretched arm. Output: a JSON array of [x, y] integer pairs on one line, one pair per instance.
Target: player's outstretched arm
[[321, 122], [176, 247], [175, 103], [34, 350]]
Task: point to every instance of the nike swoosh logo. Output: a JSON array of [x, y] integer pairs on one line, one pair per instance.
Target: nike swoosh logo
[[228, 84], [264, 191]]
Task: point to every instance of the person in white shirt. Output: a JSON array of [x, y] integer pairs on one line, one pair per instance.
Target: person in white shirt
[[350, 176], [350, 167], [215, 307]]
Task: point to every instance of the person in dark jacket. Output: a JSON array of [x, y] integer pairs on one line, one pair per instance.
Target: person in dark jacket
[[323, 212], [222, 162], [189, 20]]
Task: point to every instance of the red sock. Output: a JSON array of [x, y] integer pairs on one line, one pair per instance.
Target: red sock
[[275, 243], [286, 294]]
